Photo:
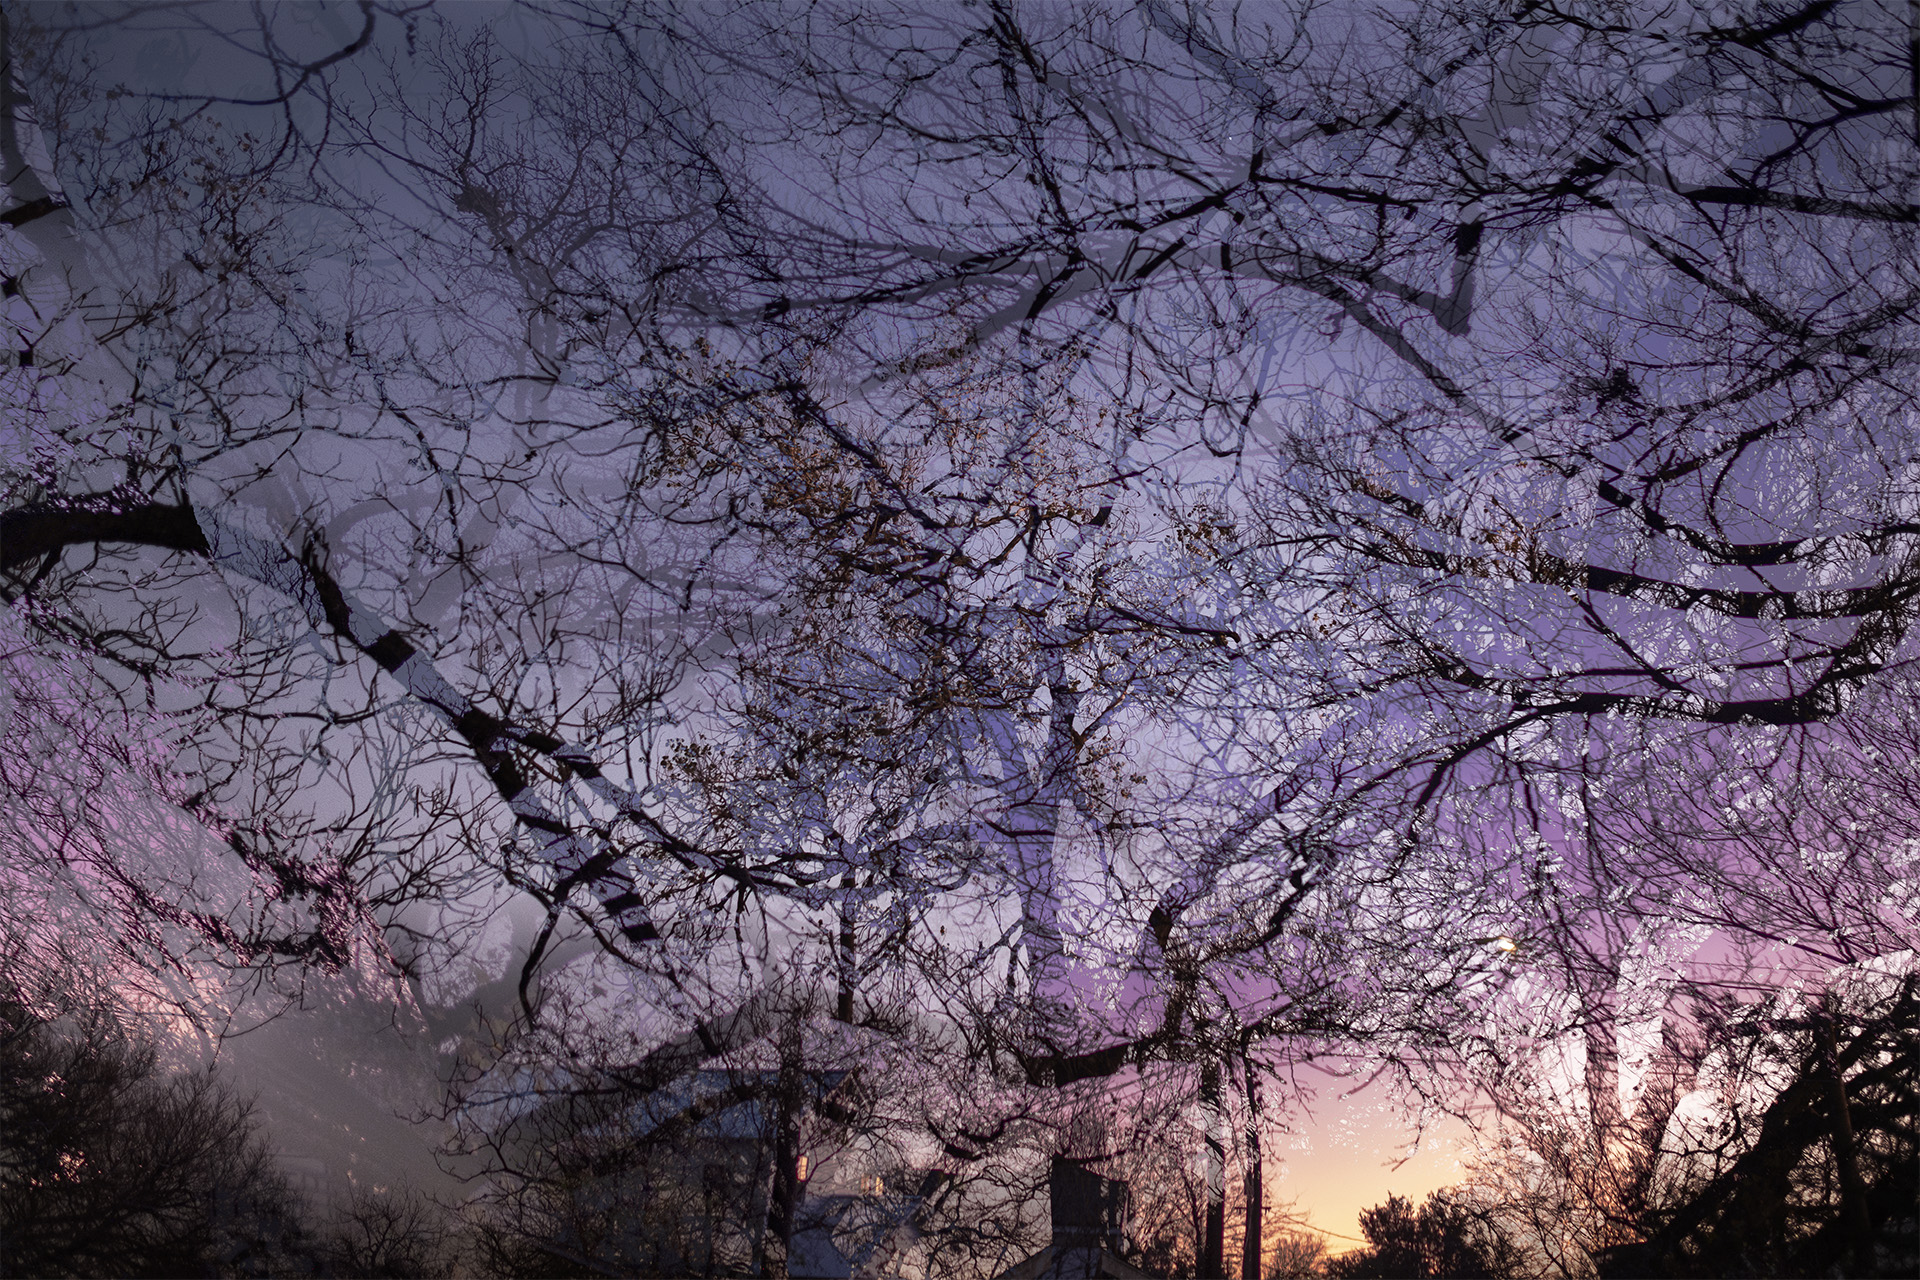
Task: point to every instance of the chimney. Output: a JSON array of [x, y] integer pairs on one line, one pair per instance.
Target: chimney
[[1089, 1214]]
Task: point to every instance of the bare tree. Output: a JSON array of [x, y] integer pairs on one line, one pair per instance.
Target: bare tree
[[107, 1165], [1074, 540], [1483, 507], [1546, 494], [390, 1233], [1662, 1028]]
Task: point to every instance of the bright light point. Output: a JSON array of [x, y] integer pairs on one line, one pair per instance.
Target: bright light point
[[1505, 944]]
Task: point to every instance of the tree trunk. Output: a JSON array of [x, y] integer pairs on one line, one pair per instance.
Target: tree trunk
[[849, 941], [1853, 1189], [1255, 1184], [1213, 1249], [783, 1197]]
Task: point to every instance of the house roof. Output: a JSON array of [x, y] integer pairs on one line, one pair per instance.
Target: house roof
[[721, 1105]]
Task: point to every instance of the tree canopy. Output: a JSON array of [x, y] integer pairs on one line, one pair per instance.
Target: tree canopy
[[1006, 548]]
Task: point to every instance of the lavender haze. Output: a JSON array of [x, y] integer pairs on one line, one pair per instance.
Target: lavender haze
[[871, 596]]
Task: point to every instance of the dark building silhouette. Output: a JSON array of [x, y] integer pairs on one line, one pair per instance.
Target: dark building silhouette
[[1089, 1230]]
